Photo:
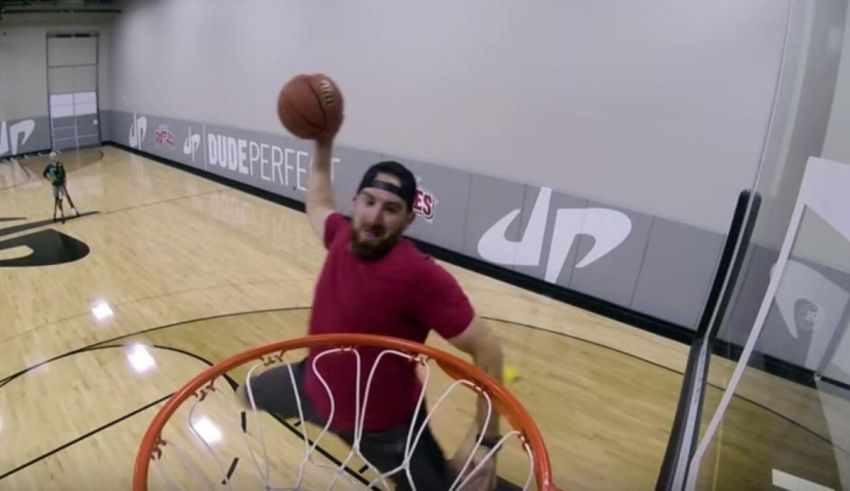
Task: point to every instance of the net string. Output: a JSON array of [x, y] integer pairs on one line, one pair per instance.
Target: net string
[[411, 443]]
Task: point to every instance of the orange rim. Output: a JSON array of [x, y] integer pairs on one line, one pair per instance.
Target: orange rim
[[503, 400]]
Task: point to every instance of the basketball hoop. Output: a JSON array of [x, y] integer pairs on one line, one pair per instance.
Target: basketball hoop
[[156, 444]]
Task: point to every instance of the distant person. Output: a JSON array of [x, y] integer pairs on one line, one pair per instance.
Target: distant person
[[55, 173]]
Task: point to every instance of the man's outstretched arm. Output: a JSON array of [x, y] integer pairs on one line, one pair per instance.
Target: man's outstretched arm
[[320, 195]]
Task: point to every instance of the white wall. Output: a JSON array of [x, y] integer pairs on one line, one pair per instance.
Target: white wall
[[23, 65], [837, 144], [659, 107], [23, 76]]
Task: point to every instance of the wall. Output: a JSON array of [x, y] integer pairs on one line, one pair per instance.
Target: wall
[[804, 109], [594, 98], [23, 77], [619, 183], [837, 143]]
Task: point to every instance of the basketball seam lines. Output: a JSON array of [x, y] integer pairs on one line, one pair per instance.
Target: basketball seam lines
[[301, 119], [321, 105]]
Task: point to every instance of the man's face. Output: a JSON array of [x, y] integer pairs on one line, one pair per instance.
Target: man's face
[[378, 219]]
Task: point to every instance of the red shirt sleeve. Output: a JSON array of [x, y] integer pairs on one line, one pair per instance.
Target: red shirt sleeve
[[441, 303], [335, 224]]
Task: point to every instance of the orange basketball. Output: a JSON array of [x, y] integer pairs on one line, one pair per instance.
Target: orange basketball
[[310, 105]]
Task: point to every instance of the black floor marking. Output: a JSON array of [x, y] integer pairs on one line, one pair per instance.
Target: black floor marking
[[230, 470], [83, 214], [41, 223], [47, 247], [244, 425], [6, 380], [293, 429], [231, 382], [363, 469], [25, 226], [11, 219], [82, 437]]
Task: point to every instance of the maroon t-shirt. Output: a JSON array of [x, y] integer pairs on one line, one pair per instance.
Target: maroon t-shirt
[[403, 294]]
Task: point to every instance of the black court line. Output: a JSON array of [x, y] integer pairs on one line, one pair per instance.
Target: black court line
[[15, 375], [233, 384], [41, 223], [707, 384], [83, 437], [9, 378], [11, 219], [160, 296]]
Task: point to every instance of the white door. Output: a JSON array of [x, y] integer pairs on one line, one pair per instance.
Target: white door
[[72, 90]]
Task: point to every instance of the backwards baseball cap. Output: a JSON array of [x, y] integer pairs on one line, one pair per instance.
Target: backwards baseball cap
[[406, 191]]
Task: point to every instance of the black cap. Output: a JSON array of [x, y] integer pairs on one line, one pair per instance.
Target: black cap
[[407, 190]]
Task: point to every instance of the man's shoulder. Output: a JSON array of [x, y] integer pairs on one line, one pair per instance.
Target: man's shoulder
[[416, 260], [337, 229], [337, 219]]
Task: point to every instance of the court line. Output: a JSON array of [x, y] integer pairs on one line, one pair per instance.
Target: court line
[[28, 226], [6, 380], [83, 437], [650, 362], [118, 210], [154, 297], [231, 382], [234, 385]]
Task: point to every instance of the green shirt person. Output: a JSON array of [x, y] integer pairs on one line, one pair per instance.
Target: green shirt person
[[55, 173]]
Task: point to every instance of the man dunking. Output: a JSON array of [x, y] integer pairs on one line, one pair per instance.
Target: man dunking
[[375, 281], [55, 173]]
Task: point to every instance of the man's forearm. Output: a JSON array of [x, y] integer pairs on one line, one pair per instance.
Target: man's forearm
[[319, 189], [489, 359]]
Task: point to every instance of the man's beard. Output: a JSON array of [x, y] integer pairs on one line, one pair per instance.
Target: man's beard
[[373, 249]]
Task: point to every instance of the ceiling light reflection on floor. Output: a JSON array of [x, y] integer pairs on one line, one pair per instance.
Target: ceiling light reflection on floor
[[207, 430], [140, 358], [101, 310]]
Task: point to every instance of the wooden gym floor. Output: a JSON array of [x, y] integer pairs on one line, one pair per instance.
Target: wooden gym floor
[[196, 271]]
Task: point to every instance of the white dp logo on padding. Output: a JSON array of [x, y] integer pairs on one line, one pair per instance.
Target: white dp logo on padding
[[192, 144], [609, 228], [17, 135], [138, 130]]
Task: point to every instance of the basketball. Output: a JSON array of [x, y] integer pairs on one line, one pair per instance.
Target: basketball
[[310, 105]]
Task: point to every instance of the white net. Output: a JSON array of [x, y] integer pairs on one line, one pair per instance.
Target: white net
[[216, 439]]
